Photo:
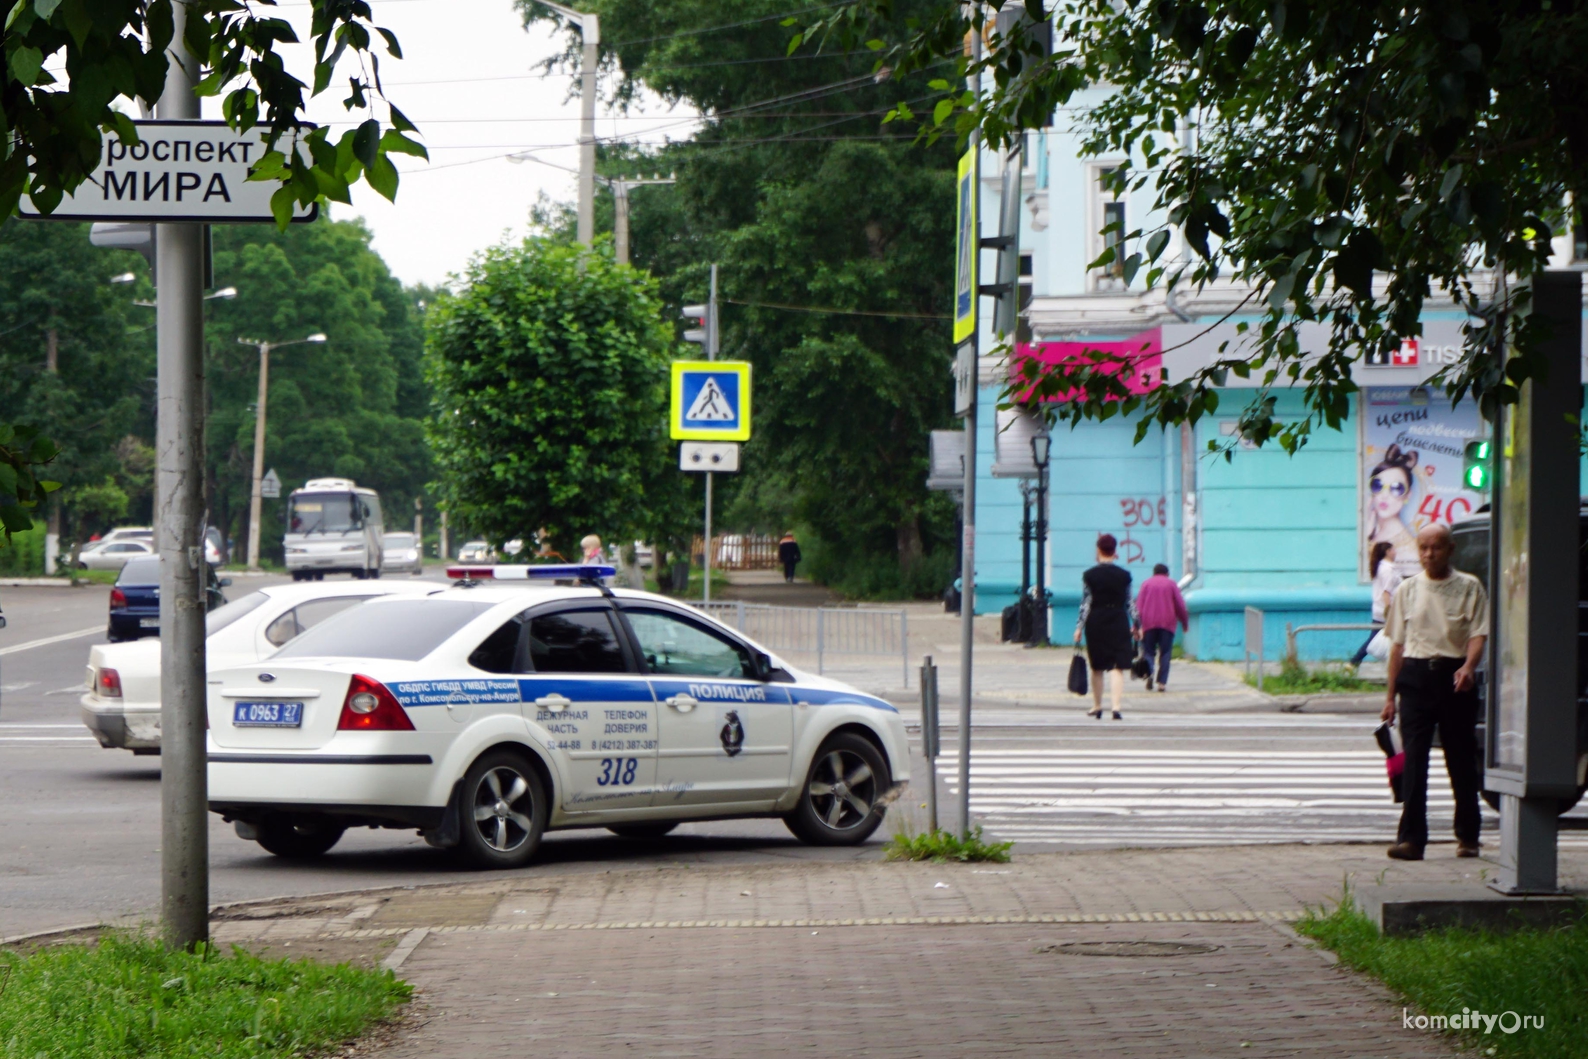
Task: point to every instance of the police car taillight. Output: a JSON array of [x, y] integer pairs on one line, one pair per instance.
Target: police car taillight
[[370, 707]]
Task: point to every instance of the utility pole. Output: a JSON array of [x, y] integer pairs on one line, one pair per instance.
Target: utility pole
[[590, 29], [621, 186], [256, 495], [52, 532], [184, 831]]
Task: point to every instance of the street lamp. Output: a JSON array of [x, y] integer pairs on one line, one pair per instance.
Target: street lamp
[[1041, 445], [254, 498], [125, 277]]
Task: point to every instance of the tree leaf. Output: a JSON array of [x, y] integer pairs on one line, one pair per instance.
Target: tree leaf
[[366, 142], [382, 176], [25, 63]]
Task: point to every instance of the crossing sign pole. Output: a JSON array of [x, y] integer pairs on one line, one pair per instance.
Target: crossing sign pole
[[710, 400]]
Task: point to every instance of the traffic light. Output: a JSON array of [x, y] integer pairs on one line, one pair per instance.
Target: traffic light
[[1476, 472], [706, 333]]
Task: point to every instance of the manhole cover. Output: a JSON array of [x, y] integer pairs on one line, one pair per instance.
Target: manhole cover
[[1130, 948]]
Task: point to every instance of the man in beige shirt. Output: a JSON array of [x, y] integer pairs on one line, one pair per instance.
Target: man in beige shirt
[[1437, 624]]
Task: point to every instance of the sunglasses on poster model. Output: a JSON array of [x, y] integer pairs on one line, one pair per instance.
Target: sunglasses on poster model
[[1378, 485]]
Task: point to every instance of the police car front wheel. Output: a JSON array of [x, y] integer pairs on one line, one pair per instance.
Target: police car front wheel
[[503, 811], [840, 804]]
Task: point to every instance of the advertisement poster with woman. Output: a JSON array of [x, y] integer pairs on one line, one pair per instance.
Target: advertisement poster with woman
[[1412, 443]]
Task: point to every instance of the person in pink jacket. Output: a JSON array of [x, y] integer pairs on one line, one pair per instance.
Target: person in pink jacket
[[1159, 607]]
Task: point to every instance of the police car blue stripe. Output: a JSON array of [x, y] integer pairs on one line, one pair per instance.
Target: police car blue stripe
[[707, 690], [410, 693], [824, 697], [613, 689]]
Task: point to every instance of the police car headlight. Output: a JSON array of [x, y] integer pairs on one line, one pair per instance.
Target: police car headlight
[[297, 551], [363, 702]]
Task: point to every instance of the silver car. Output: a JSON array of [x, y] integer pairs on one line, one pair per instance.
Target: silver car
[[401, 555], [112, 555]]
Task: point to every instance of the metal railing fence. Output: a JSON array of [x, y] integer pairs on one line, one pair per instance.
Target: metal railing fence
[[822, 631]]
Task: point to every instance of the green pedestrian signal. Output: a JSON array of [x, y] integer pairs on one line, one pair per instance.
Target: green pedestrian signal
[[1476, 472]]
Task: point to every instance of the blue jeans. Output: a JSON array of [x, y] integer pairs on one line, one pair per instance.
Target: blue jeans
[[1158, 644]]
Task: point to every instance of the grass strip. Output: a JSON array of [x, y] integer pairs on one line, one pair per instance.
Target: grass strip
[[130, 996], [1450, 976], [943, 846], [1294, 678]]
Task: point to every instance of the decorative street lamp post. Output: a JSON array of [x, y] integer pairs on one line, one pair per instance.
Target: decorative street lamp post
[[1040, 446]]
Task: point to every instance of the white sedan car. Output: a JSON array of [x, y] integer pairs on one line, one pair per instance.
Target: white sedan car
[[122, 706], [485, 714], [112, 555]]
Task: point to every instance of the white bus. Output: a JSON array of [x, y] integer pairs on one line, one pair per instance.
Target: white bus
[[333, 526]]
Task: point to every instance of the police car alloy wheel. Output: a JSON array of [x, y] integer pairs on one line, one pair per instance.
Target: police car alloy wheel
[[643, 830], [840, 804], [297, 837], [502, 805]]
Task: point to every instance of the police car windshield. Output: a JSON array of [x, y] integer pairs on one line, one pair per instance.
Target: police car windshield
[[323, 513], [404, 629]]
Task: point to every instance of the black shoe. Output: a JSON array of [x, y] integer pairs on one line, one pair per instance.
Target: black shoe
[[1405, 851], [1098, 714], [1117, 716]]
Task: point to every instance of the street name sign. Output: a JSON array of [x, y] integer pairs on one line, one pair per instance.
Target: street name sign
[[711, 400], [177, 171], [720, 456]]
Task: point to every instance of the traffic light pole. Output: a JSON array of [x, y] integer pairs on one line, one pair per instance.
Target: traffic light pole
[[184, 816], [711, 354]]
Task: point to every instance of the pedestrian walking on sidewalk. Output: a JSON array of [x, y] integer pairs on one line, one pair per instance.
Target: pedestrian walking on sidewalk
[[1386, 578], [788, 553], [1159, 607], [1437, 624], [1106, 619]]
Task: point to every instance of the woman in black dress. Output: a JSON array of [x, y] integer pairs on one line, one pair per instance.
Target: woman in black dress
[[1106, 618]]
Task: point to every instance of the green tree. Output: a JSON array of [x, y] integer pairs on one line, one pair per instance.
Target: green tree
[[1435, 146], [549, 372], [830, 230], [350, 407], [69, 363]]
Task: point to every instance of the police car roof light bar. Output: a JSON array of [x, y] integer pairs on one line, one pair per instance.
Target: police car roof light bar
[[588, 573]]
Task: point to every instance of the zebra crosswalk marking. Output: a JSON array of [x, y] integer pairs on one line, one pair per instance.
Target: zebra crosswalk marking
[[1192, 797]]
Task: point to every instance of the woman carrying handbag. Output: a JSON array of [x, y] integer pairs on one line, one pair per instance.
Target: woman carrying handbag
[[1105, 620]]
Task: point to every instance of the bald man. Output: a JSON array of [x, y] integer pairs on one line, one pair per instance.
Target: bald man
[[1437, 624]]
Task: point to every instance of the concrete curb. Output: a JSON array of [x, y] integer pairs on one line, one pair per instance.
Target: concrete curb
[[43, 582]]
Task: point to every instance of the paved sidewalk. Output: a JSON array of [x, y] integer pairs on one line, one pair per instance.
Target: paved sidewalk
[[878, 959]]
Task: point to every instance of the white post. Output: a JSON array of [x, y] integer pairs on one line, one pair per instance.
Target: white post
[[620, 219], [184, 838], [256, 496], [591, 27], [967, 590]]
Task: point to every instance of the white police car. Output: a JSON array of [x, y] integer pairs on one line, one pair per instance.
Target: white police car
[[487, 713]]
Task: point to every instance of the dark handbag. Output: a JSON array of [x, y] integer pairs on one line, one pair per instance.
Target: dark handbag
[[1140, 667], [1394, 757], [1078, 674]]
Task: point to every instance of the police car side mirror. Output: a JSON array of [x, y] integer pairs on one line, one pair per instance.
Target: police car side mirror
[[763, 666]]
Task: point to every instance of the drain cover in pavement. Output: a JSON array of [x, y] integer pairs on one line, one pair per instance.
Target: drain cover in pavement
[[1130, 948]]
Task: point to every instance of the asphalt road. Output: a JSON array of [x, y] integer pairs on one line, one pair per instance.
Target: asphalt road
[[80, 826], [80, 834]]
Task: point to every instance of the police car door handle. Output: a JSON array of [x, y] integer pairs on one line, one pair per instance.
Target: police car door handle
[[554, 702], [683, 703]]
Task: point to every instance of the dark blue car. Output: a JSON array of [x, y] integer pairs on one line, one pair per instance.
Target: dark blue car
[[135, 598]]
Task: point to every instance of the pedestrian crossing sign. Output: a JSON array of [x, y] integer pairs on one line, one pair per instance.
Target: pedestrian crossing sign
[[711, 400]]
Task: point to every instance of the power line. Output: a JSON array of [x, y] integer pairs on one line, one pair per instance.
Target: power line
[[838, 312], [678, 66], [730, 25]]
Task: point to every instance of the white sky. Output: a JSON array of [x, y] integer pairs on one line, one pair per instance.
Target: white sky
[[468, 79]]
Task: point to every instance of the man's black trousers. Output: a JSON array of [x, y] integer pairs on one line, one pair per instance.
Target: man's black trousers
[[1428, 700]]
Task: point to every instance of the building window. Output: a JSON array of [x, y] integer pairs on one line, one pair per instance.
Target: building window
[[1579, 235], [1108, 227]]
